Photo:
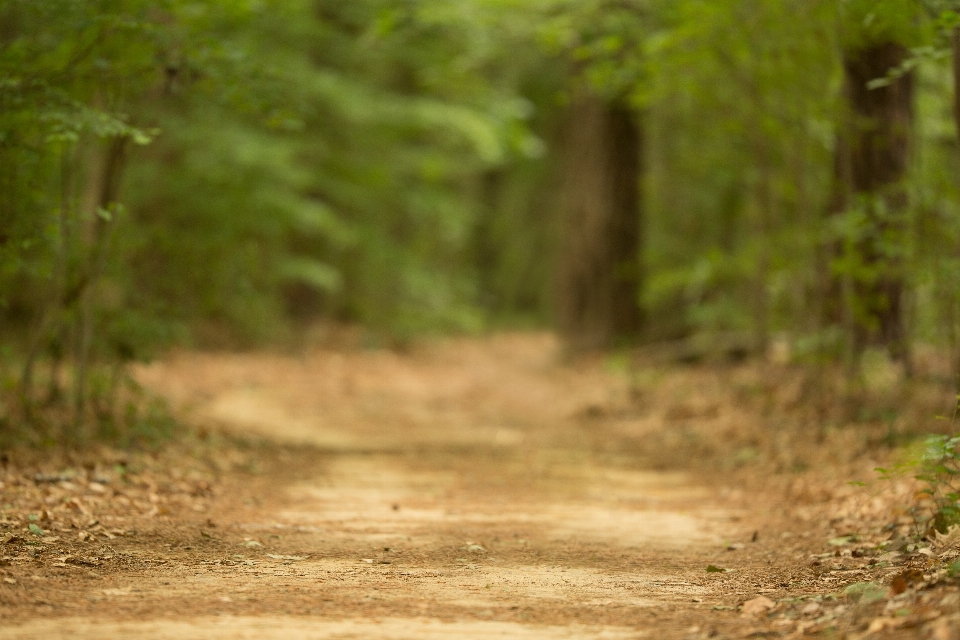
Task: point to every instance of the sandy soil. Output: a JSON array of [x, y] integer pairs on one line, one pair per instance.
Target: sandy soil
[[466, 489]]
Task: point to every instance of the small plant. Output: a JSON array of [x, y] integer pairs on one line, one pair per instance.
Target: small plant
[[865, 592], [939, 468]]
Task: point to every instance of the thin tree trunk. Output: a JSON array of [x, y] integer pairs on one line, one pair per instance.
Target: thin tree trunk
[[766, 202], [955, 50], [955, 343], [103, 224], [599, 271], [485, 239], [51, 316], [833, 305], [626, 142], [837, 288]]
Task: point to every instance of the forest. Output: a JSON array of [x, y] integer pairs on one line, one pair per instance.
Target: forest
[[731, 173], [419, 256]]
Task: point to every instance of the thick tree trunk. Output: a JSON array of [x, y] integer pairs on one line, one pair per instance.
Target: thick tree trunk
[[873, 166], [599, 270]]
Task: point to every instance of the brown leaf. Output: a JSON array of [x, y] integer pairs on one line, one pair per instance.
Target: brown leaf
[[811, 608], [942, 630], [12, 538], [757, 606], [884, 623], [75, 504], [898, 585], [904, 580], [97, 487]]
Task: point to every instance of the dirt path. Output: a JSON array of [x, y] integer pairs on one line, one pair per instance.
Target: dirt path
[[471, 489]]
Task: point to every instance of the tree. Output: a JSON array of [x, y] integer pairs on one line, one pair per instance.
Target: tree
[[598, 276], [871, 165], [599, 271]]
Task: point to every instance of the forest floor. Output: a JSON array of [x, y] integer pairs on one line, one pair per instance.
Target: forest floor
[[475, 488]]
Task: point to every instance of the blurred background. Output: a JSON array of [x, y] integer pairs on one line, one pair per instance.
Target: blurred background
[[721, 179]]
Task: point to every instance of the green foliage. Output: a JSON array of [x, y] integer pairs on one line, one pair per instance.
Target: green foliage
[[868, 22], [217, 172], [866, 592], [741, 143], [953, 569], [939, 469]]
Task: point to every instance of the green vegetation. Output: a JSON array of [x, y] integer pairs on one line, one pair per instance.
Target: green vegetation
[[222, 173]]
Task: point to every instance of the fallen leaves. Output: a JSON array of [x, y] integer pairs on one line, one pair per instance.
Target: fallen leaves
[[276, 556], [905, 579], [884, 623], [949, 539], [76, 504]]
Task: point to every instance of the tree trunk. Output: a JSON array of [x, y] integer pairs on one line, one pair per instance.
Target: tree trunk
[[877, 148], [955, 342], [599, 271], [833, 309], [51, 314], [766, 212], [104, 208], [486, 245]]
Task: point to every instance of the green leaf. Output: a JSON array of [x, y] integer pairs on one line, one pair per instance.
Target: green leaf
[[313, 273], [866, 592], [953, 569], [712, 568], [35, 530], [879, 83], [143, 138]]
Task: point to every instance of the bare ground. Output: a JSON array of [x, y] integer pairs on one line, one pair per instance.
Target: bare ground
[[467, 489]]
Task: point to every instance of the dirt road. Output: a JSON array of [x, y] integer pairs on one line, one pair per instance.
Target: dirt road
[[469, 489]]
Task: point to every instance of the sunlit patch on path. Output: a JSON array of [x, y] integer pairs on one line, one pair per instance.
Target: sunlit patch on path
[[266, 628]]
